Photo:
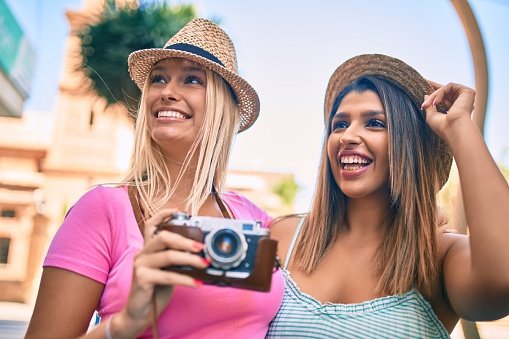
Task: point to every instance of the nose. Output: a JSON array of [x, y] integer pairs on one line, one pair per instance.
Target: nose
[[351, 136], [171, 92]]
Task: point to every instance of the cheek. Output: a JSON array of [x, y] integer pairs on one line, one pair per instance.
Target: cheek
[[198, 98], [202, 108], [198, 105], [150, 99], [333, 152], [332, 149]]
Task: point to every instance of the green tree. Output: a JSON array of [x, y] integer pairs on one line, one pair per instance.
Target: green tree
[[107, 43], [287, 190]]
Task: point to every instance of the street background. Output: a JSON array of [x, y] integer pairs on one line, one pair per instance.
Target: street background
[[287, 50]]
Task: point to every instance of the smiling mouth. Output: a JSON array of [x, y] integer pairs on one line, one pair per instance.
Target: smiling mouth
[[172, 114], [354, 162]]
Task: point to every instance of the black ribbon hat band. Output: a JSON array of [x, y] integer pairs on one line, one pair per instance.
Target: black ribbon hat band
[[203, 53], [195, 50]]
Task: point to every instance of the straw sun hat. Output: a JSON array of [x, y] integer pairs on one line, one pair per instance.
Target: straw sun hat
[[401, 75], [201, 41]]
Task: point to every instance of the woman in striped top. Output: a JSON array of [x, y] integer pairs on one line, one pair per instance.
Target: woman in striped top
[[367, 260]]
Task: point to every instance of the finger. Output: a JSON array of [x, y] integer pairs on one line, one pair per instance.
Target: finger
[[435, 85], [462, 97], [445, 94], [165, 239], [158, 218], [168, 258], [429, 103], [150, 277], [432, 100]]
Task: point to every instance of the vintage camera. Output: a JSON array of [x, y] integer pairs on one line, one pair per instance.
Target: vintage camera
[[240, 251]]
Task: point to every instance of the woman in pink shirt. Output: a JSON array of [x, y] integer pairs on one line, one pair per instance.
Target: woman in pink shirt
[[193, 103]]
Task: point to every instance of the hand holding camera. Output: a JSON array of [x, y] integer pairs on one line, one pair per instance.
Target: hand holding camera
[[240, 251]]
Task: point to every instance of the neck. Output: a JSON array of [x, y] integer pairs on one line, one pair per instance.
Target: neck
[[365, 215], [182, 185], [210, 206]]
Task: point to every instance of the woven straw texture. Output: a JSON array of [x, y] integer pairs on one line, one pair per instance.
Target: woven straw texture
[[208, 36], [400, 74]]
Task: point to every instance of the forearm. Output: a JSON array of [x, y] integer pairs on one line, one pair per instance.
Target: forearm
[[486, 202]]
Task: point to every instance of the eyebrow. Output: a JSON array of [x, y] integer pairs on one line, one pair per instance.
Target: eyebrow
[[194, 69], [367, 114], [186, 69]]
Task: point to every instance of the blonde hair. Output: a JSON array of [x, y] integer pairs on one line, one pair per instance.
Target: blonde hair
[[408, 252], [148, 170]]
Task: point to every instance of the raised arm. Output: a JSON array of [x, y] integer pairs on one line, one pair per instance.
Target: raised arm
[[476, 267]]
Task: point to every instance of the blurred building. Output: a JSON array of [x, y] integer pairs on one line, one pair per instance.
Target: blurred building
[[48, 160], [16, 64]]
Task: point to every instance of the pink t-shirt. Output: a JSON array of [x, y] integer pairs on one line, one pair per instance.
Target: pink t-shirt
[[99, 239]]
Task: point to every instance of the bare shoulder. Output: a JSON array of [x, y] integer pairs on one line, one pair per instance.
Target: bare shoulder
[[282, 229]]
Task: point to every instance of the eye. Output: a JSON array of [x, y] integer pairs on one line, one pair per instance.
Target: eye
[[339, 125], [194, 80], [154, 78], [375, 123]]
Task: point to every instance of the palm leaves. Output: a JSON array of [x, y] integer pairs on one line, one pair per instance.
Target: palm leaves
[[106, 45]]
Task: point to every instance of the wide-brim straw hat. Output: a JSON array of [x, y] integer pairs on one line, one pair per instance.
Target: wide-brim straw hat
[[403, 76], [201, 41]]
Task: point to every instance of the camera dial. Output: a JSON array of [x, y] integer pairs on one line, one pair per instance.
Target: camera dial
[[180, 216], [225, 248]]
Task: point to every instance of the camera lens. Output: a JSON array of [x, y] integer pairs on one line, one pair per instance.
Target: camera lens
[[225, 243], [225, 248]]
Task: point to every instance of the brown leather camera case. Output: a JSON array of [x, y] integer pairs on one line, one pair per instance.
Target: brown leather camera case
[[260, 278]]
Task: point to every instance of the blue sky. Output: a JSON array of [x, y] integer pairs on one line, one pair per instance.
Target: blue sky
[[287, 49]]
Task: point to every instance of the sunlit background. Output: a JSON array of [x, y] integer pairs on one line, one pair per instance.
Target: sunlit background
[[287, 49]]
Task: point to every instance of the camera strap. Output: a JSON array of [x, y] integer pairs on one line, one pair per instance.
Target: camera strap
[[224, 210], [138, 213]]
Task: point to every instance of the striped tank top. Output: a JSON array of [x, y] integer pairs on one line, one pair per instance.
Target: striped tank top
[[405, 316]]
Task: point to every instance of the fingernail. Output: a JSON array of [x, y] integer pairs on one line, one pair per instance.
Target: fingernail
[[198, 283], [433, 104], [198, 245], [422, 106], [205, 261]]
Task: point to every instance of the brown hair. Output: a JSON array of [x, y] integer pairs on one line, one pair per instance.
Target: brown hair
[[408, 252]]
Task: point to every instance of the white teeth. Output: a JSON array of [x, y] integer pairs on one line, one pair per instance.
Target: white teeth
[[171, 114], [353, 159], [355, 167]]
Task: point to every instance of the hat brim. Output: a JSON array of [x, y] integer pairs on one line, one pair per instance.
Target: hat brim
[[388, 68], [141, 62], [401, 75]]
